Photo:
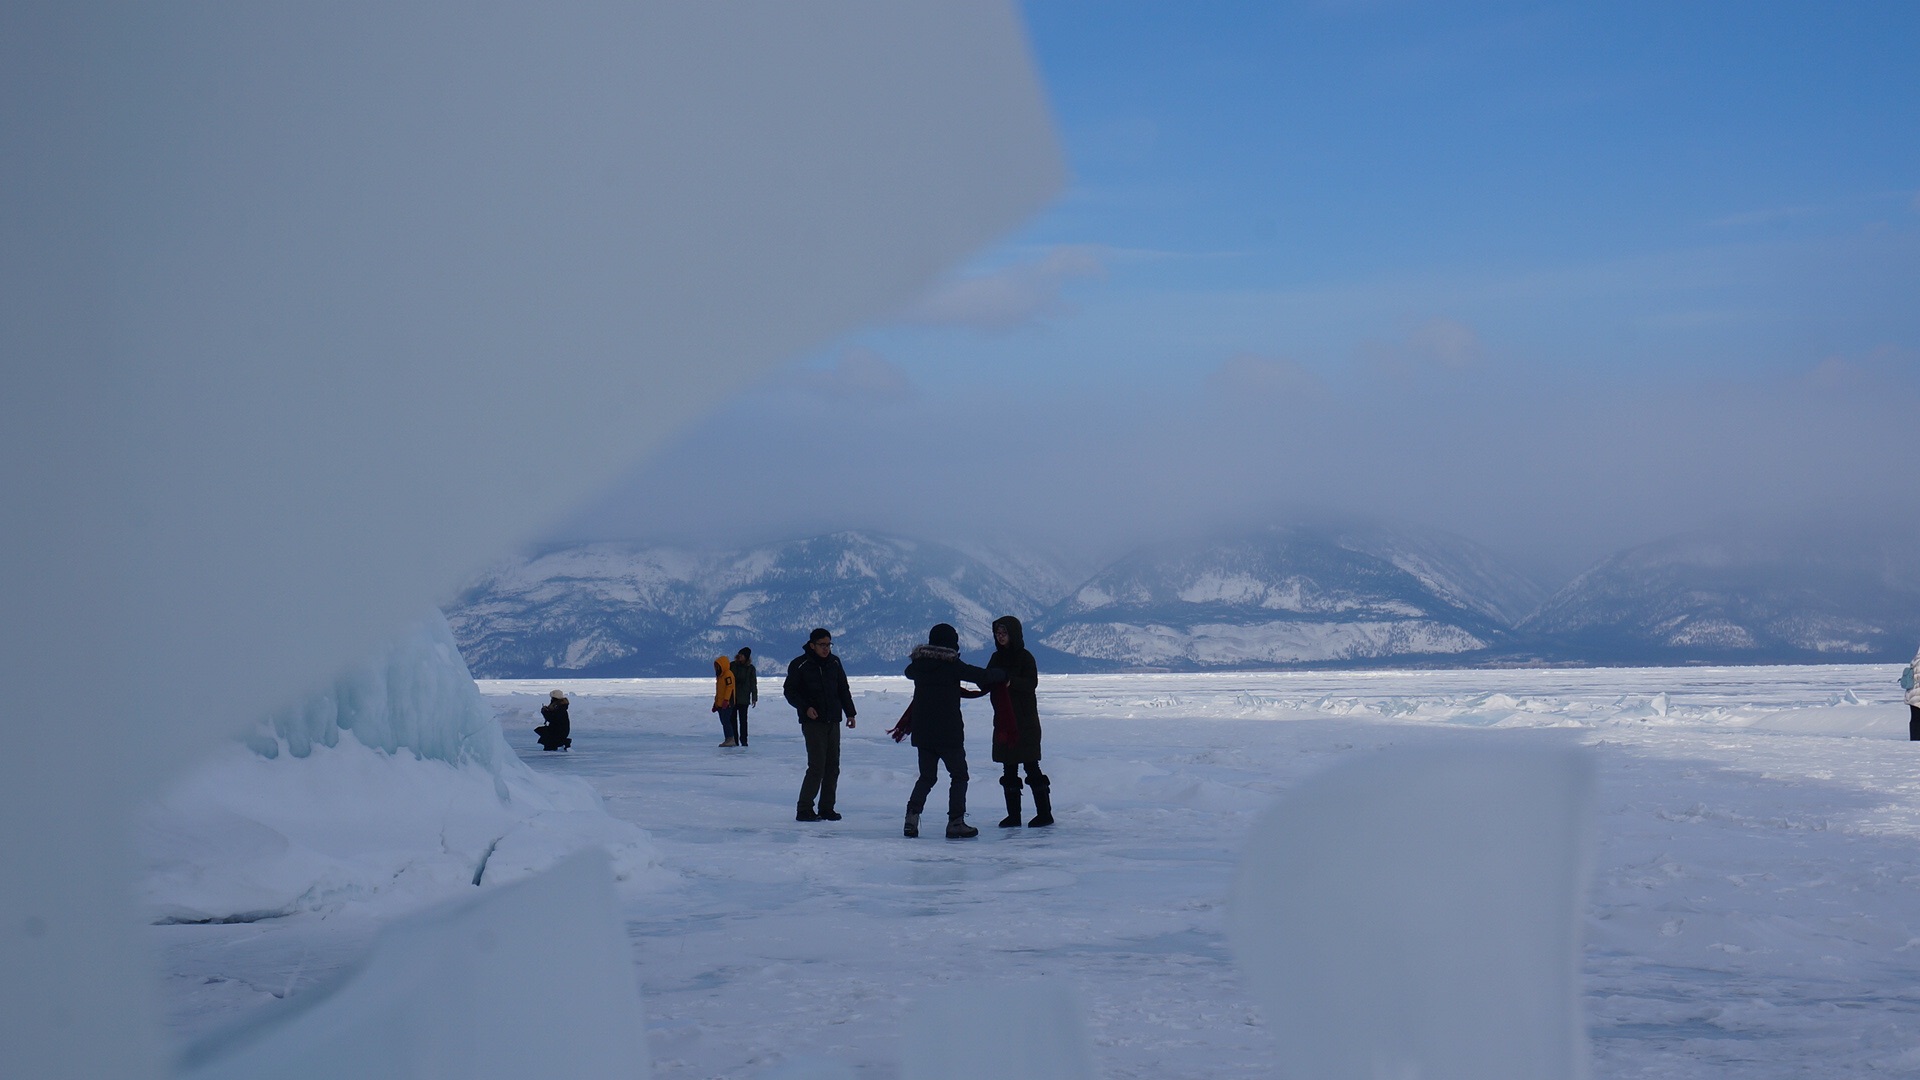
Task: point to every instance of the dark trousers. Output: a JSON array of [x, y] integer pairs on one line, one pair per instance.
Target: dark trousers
[[1913, 723], [823, 763], [740, 717], [955, 759], [1011, 771], [728, 725]]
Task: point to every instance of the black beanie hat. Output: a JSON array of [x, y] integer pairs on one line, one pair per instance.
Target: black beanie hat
[[943, 636]]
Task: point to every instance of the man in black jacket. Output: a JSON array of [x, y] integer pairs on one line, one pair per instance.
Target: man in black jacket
[[938, 732], [816, 687]]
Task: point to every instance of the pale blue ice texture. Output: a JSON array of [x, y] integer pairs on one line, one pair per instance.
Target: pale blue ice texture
[[1009, 1030], [1416, 913], [416, 696], [456, 991]]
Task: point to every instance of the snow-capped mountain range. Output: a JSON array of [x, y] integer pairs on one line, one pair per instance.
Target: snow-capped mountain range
[[617, 610], [1720, 597], [1324, 595], [1291, 596]]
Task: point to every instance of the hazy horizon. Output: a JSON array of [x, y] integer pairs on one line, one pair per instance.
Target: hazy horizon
[[1559, 281]]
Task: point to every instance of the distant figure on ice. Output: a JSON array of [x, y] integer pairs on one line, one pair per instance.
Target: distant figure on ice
[[557, 732], [816, 687], [746, 689], [938, 731], [723, 700], [1910, 682], [1016, 724]]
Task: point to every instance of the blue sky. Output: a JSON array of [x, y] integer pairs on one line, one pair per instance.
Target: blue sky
[[1560, 278], [1711, 185]]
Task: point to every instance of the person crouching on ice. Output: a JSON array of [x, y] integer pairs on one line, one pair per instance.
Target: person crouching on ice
[[557, 732], [938, 732]]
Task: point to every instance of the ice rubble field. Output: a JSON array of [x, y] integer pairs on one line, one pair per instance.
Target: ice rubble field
[[1754, 911]]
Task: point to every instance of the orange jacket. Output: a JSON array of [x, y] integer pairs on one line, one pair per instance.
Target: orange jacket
[[722, 683]]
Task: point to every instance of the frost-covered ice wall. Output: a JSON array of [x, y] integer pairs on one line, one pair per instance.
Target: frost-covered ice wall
[[390, 789], [417, 696]]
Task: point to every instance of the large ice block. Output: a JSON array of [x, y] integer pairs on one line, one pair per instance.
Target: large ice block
[[313, 310], [1416, 914]]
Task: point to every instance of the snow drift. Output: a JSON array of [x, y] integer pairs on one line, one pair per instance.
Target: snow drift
[[390, 789]]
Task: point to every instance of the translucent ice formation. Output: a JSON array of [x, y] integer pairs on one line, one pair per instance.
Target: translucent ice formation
[[417, 696], [1416, 914]]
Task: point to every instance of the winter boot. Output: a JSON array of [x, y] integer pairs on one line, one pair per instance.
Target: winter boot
[[1042, 801], [728, 743], [829, 815], [1012, 784], [958, 829], [805, 813], [913, 825]]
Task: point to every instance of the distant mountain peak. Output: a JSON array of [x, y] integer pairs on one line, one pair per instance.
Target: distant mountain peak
[[629, 609], [1289, 595], [1732, 597]]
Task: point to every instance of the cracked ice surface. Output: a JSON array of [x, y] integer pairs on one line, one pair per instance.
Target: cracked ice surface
[[1751, 913]]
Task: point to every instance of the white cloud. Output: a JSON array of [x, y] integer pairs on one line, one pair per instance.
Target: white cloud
[[1013, 296], [1249, 375], [860, 374], [1442, 343]]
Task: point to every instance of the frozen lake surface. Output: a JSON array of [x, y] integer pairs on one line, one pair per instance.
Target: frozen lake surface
[[1755, 909]]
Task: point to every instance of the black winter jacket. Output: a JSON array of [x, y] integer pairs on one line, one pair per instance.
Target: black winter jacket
[[746, 684], [820, 684], [937, 674], [559, 727]]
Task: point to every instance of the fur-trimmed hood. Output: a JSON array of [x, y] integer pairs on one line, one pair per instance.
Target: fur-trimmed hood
[[933, 652]]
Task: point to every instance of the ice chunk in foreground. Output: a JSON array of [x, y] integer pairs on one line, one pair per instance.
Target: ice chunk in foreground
[[1416, 914], [470, 990], [1006, 1030], [296, 295]]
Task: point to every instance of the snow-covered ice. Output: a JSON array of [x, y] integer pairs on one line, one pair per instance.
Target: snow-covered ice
[[390, 789], [445, 993], [1753, 911]]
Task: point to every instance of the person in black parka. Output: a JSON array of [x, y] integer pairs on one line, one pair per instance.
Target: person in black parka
[[557, 732], [938, 730], [817, 689], [1016, 724], [746, 689]]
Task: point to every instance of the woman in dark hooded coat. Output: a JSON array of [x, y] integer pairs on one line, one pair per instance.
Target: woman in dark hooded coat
[[1016, 723]]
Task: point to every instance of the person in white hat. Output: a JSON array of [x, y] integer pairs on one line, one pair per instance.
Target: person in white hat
[[557, 732]]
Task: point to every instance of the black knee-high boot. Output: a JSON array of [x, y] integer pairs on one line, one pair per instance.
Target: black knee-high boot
[[1012, 784], [1042, 801]]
